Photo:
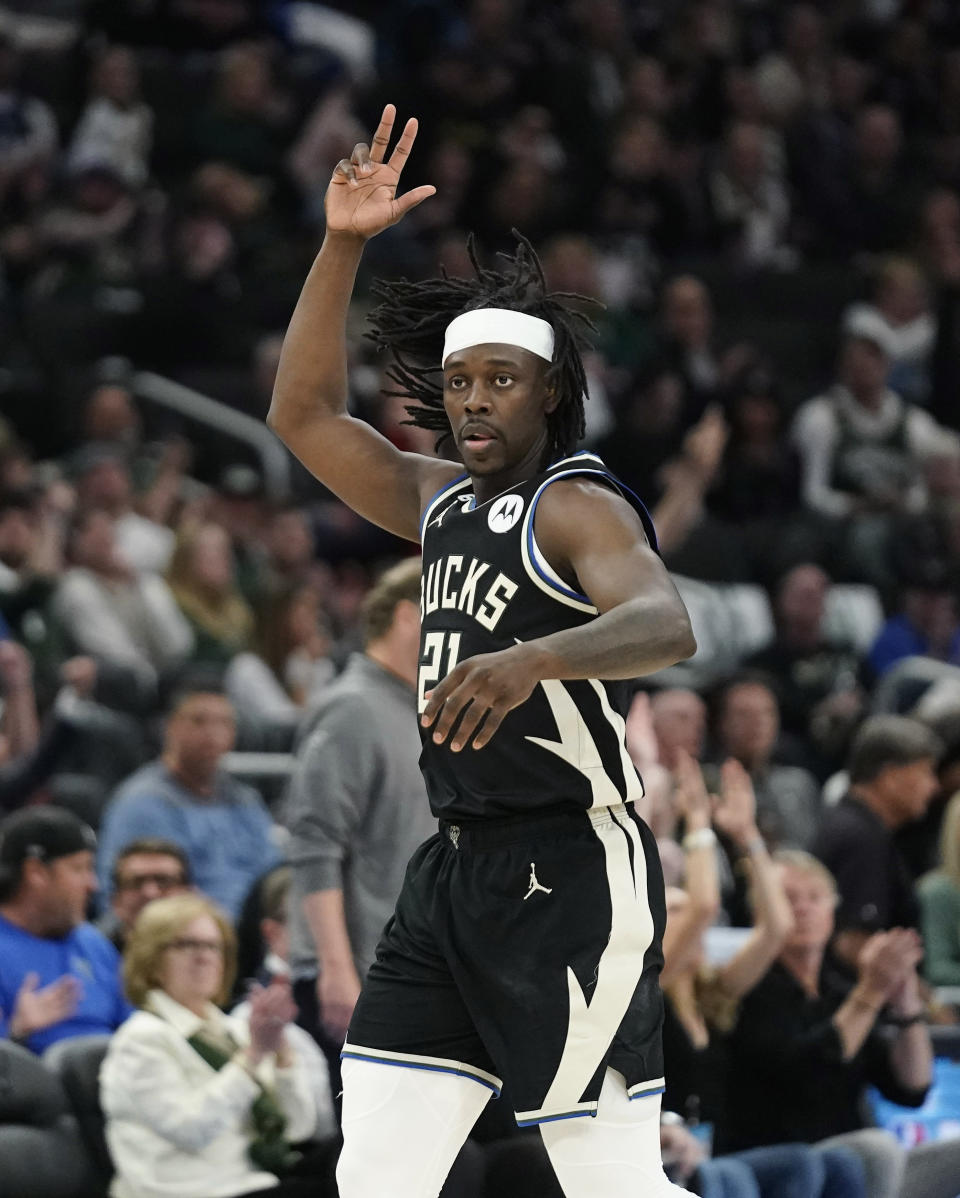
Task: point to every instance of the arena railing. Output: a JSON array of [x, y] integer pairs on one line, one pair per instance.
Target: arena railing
[[274, 460]]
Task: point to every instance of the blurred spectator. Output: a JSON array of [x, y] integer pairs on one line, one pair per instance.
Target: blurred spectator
[[679, 724], [747, 729], [939, 894], [273, 895], [59, 977], [819, 678], [291, 556], [862, 449], [686, 320], [750, 205], [795, 77], [29, 753], [145, 870], [185, 796], [860, 444], [197, 1101], [759, 475], [809, 1040], [291, 666], [701, 1000], [892, 780], [925, 624], [246, 122], [116, 127], [357, 808], [28, 128], [900, 310], [203, 581], [108, 611], [104, 482]]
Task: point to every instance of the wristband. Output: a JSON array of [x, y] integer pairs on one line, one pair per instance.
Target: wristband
[[703, 838], [902, 1021]]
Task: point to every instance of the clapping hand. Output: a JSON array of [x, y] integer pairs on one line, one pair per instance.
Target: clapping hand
[[888, 962], [735, 813], [693, 801], [38, 1008], [362, 196], [271, 1009]]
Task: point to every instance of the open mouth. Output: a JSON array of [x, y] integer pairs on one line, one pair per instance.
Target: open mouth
[[478, 438]]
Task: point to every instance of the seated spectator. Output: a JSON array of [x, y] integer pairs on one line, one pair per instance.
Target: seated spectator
[[104, 482], [861, 448], [31, 752], [129, 620], [273, 903], [146, 869], [202, 578], [701, 1001], [59, 976], [28, 127], [808, 1041], [749, 201], [196, 1101], [939, 894], [926, 623], [116, 127], [291, 665], [679, 724], [818, 678], [900, 308], [747, 729], [892, 780], [222, 825]]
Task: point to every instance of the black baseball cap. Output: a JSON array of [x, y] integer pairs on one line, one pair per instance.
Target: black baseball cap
[[43, 834]]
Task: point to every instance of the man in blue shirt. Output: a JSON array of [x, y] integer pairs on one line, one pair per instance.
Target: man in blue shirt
[[59, 976], [222, 825]]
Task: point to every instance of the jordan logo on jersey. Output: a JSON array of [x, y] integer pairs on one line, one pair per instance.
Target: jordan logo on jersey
[[505, 512], [462, 500]]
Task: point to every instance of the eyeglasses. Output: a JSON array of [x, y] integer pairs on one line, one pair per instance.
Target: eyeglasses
[[163, 882], [197, 946]]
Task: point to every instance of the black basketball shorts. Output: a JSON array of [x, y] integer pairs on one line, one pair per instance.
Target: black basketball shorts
[[525, 952]]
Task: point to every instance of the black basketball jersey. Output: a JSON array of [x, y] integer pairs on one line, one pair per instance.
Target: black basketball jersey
[[487, 586]]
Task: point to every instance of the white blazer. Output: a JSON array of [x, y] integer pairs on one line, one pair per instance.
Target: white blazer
[[175, 1126]]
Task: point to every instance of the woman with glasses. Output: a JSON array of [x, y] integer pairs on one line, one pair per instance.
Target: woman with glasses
[[200, 1104]]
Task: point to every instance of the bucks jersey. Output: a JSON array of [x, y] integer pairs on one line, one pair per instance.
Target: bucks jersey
[[487, 586]]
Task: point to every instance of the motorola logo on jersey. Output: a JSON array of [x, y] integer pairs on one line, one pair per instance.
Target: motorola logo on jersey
[[505, 512]]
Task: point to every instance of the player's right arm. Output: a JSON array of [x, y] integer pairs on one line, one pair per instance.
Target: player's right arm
[[309, 407]]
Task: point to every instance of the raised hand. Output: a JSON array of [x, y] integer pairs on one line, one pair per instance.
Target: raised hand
[[736, 810], [35, 1009], [693, 801], [271, 1009], [362, 196]]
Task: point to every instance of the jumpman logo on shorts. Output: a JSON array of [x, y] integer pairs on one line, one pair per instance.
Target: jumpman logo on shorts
[[535, 885]]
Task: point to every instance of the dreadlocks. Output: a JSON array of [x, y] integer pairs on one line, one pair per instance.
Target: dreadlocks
[[411, 319]]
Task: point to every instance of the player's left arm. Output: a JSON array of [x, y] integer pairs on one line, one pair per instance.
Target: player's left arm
[[594, 539]]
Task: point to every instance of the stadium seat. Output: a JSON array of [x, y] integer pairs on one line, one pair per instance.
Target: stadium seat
[[77, 1063]]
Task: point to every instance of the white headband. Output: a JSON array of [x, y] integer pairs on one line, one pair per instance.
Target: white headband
[[498, 326]]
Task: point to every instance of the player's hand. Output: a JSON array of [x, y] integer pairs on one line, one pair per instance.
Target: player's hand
[[478, 693], [337, 994], [362, 196], [34, 1010]]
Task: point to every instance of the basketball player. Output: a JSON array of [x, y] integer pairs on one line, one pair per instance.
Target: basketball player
[[525, 947]]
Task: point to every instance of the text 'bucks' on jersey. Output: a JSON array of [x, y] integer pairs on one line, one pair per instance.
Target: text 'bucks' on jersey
[[487, 586]]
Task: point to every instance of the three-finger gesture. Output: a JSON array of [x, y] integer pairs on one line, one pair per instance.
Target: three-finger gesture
[[362, 196]]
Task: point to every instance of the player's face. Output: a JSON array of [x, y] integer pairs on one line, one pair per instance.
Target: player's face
[[497, 402]]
